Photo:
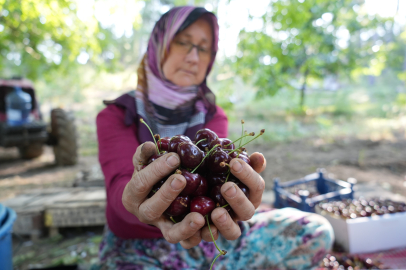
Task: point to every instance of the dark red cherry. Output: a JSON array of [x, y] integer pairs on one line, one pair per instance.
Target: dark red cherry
[[203, 205], [217, 197], [215, 143], [202, 169], [206, 134], [244, 189], [217, 161], [202, 188], [156, 187], [227, 144], [155, 157], [163, 144], [217, 179], [179, 206], [192, 181], [245, 158], [175, 141], [190, 155]]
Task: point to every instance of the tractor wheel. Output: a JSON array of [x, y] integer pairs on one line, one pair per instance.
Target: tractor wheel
[[63, 129], [31, 151]]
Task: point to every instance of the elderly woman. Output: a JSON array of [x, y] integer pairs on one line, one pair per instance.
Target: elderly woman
[[173, 98]]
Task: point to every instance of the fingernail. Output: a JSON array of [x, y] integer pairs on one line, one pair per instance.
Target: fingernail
[[172, 161], [176, 184], [231, 191], [237, 167], [222, 218], [142, 147], [194, 225]]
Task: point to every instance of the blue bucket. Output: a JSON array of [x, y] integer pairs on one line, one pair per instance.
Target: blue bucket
[[7, 218]]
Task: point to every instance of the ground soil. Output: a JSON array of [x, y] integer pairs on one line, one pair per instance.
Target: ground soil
[[382, 163]]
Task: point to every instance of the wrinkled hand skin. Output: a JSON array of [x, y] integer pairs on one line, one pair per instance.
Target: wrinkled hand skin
[[190, 231]]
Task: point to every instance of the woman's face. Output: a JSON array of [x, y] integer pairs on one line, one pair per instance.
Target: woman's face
[[189, 55]]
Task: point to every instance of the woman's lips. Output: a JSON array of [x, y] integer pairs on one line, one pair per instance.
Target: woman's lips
[[188, 72]]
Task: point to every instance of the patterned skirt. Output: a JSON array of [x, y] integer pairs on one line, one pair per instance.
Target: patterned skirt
[[273, 239]]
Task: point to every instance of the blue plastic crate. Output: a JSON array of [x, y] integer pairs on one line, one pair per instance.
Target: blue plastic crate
[[305, 193]]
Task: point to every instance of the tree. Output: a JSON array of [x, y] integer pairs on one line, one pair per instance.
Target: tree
[[306, 39], [41, 36]]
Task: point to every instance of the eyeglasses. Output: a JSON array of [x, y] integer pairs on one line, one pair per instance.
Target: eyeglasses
[[186, 47]]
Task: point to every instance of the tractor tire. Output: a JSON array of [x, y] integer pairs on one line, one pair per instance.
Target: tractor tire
[[31, 151], [63, 129]]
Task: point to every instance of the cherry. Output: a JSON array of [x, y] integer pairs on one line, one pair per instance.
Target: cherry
[[206, 134], [192, 181], [179, 206], [175, 141], [218, 161], [202, 188], [215, 143], [203, 205], [217, 179], [245, 158], [155, 157], [244, 189], [156, 187], [190, 155], [218, 198], [163, 144], [227, 144]]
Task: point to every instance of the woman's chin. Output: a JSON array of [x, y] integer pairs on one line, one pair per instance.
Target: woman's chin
[[184, 82]]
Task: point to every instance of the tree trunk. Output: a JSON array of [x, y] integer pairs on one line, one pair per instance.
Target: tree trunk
[[303, 89]]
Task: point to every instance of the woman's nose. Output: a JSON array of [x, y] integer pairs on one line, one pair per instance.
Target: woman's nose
[[193, 55]]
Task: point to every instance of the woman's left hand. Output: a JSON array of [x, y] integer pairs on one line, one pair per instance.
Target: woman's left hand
[[243, 207]]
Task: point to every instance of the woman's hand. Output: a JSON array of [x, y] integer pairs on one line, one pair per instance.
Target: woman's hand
[[243, 207], [150, 210]]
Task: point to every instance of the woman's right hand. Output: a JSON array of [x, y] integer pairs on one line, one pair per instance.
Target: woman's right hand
[[150, 210]]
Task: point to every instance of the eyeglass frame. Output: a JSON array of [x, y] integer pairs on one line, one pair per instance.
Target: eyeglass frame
[[192, 46]]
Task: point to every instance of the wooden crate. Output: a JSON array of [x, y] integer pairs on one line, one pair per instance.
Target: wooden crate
[[31, 208], [82, 208]]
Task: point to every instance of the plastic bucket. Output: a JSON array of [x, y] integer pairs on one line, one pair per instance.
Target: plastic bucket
[[6, 226]]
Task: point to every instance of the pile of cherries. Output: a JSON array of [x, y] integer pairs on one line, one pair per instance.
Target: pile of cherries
[[349, 262], [205, 165], [361, 207]]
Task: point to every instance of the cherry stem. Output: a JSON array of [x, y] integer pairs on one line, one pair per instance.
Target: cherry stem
[[218, 255], [224, 206], [262, 132], [142, 121], [204, 158], [239, 139], [227, 177], [212, 237], [173, 220], [200, 141], [242, 131]]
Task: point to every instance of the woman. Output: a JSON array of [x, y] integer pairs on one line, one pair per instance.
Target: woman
[[173, 98]]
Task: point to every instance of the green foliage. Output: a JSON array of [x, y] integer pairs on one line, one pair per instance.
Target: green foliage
[[41, 36], [305, 40]]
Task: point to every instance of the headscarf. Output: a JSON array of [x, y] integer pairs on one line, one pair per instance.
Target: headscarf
[[170, 109]]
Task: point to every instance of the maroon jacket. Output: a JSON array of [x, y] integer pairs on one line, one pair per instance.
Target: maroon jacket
[[118, 137]]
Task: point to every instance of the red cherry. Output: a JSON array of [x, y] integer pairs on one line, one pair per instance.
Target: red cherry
[[175, 141], [192, 182], [202, 188], [217, 161], [203, 205], [225, 142], [155, 157], [190, 155], [215, 143], [156, 187], [179, 206], [163, 144], [218, 198], [206, 134], [244, 189]]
